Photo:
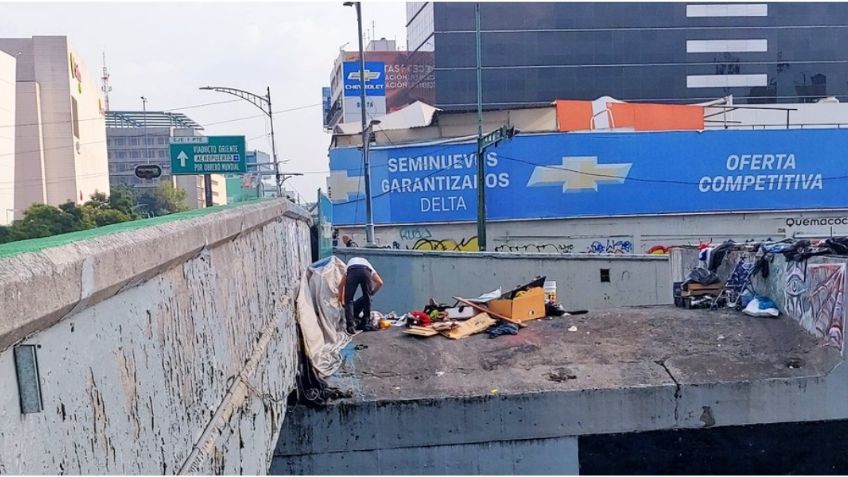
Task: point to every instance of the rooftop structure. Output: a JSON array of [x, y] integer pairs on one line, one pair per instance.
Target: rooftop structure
[[150, 119]]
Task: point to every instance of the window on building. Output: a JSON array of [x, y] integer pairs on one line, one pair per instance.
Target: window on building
[[119, 141], [163, 153], [121, 154], [75, 117], [133, 141], [161, 140], [134, 155]]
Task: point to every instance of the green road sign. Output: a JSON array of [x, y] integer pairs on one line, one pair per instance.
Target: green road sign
[[207, 155], [496, 136]]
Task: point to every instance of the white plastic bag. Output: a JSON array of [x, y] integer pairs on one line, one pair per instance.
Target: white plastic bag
[[753, 309]]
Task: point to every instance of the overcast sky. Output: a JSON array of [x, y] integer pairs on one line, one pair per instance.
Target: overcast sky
[[165, 51]]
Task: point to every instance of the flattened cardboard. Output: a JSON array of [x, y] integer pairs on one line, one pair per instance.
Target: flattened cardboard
[[478, 324]]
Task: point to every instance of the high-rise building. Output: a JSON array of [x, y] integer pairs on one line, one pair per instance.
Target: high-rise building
[[7, 138], [144, 137], [59, 132], [392, 80], [533, 53], [137, 137]]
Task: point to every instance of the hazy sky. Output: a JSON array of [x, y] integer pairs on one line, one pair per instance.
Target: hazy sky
[[165, 51]]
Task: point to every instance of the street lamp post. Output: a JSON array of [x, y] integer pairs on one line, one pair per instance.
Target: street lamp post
[[366, 130], [264, 104]]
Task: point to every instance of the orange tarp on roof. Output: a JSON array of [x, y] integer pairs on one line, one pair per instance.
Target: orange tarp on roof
[[574, 115], [577, 116]]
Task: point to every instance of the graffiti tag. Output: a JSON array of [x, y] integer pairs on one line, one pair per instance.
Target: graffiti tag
[[611, 246], [414, 233], [450, 245], [533, 247]]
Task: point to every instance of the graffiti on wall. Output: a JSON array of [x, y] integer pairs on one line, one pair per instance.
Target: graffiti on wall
[[813, 295], [536, 247], [610, 246], [415, 233], [449, 245]]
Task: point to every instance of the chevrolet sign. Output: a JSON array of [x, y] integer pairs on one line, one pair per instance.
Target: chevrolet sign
[[375, 80], [369, 75]]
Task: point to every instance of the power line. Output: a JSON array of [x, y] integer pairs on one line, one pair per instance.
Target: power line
[[142, 135], [297, 108]]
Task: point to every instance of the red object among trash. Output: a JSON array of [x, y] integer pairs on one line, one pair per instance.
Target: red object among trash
[[423, 319]]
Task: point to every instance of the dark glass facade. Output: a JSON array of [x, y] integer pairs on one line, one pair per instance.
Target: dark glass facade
[[533, 53]]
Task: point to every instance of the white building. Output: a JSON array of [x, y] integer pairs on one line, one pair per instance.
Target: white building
[[60, 134], [7, 138]]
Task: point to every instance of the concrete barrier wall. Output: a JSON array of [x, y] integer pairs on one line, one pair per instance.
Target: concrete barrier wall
[[412, 278], [811, 291], [166, 349]]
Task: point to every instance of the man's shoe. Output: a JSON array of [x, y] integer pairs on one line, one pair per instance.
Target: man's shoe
[[369, 328], [350, 330]]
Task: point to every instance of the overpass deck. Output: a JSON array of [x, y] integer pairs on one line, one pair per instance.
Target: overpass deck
[[520, 404], [614, 349]]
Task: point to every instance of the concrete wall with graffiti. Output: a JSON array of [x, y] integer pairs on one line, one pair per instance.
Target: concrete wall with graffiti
[[620, 235], [811, 292]]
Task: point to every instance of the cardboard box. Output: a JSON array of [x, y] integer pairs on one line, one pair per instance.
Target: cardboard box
[[529, 306]]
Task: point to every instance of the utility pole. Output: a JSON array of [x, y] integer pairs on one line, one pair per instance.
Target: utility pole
[[481, 162], [274, 144], [366, 164]]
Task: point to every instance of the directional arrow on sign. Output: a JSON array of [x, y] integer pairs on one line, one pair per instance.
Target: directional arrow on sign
[[182, 157]]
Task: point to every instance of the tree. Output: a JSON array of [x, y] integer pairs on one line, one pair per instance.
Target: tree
[[165, 199], [41, 220], [109, 216], [9, 234], [99, 211], [122, 198]]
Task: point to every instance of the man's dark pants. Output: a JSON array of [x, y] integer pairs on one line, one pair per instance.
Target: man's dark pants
[[358, 276]]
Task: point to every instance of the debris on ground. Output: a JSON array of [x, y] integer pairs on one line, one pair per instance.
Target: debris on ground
[[494, 312], [467, 328], [572, 328], [502, 329]]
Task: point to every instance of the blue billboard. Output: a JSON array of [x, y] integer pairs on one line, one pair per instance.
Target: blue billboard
[[565, 175], [375, 78]]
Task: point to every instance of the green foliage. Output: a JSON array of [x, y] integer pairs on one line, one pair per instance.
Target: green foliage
[[41, 220], [166, 199], [122, 198]]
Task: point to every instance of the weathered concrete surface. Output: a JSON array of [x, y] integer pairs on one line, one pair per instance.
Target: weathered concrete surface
[[412, 278], [623, 370], [530, 457], [162, 350]]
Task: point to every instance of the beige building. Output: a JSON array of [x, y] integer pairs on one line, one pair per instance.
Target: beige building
[[60, 134], [196, 192], [7, 138]]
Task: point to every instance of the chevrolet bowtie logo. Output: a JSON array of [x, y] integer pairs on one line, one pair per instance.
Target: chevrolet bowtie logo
[[369, 75], [578, 174], [343, 186]]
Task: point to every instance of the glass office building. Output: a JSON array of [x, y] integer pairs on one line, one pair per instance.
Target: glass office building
[[533, 53]]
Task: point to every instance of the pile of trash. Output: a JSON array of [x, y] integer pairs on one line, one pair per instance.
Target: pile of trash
[[704, 289], [496, 313]]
